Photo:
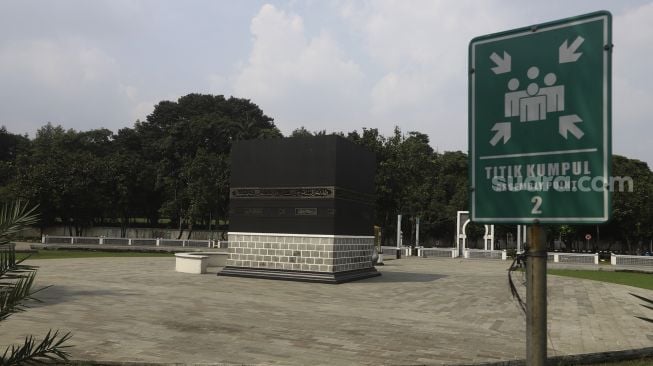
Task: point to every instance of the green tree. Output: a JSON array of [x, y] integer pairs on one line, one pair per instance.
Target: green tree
[[132, 181], [632, 212], [182, 136], [67, 173], [450, 194], [303, 132], [41, 173], [414, 180], [11, 146]]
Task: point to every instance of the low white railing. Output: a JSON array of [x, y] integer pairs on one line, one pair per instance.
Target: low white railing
[[437, 252], [631, 260], [555, 257], [154, 242], [574, 258], [389, 252], [484, 254]]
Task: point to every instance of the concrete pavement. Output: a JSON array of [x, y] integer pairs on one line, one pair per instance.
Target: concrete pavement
[[420, 311]]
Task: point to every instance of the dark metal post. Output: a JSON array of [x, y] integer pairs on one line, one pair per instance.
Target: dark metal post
[[536, 297]]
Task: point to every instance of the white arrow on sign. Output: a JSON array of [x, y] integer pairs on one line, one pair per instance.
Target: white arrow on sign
[[503, 131], [503, 64], [567, 53], [568, 124]]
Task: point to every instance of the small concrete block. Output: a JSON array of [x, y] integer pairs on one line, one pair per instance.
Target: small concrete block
[[187, 263]]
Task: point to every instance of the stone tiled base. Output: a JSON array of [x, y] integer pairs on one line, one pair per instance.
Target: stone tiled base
[[320, 277], [323, 258]]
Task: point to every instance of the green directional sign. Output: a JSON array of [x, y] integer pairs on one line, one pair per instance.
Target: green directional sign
[[540, 122]]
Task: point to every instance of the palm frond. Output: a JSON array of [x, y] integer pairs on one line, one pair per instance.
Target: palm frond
[[14, 218], [51, 348], [16, 281], [642, 298], [14, 293], [646, 306], [645, 319]]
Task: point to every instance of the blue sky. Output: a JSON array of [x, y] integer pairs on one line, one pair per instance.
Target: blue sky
[[334, 65]]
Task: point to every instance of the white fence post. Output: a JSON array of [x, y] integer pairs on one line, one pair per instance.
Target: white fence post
[[129, 242], [158, 242], [43, 240], [596, 258], [101, 240], [72, 240], [504, 255], [613, 259], [556, 258]]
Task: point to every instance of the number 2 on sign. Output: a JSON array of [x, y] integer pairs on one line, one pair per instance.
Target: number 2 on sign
[[537, 202]]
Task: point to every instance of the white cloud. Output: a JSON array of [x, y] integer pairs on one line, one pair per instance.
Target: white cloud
[[142, 109], [218, 84], [335, 65], [296, 76], [59, 81], [632, 91], [420, 50]]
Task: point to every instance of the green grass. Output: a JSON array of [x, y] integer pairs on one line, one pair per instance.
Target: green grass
[[66, 254], [643, 362], [641, 280]]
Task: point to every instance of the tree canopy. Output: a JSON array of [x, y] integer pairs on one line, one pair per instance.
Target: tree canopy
[[173, 169]]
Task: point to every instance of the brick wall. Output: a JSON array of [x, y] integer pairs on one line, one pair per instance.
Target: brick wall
[[291, 252]]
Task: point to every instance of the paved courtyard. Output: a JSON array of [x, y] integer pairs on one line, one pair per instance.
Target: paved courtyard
[[420, 311]]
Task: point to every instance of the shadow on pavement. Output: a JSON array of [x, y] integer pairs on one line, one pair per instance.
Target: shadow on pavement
[[58, 294], [387, 276]]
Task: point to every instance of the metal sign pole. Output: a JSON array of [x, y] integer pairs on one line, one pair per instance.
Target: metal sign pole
[[417, 233], [519, 238], [399, 237], [536, 297]]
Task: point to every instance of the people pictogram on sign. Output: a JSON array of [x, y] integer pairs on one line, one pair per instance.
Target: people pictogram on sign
[[513, 97], [555, 94], [533, 103], [533, 107]]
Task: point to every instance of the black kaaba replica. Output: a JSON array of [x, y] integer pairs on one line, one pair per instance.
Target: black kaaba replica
[[301, 209]]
